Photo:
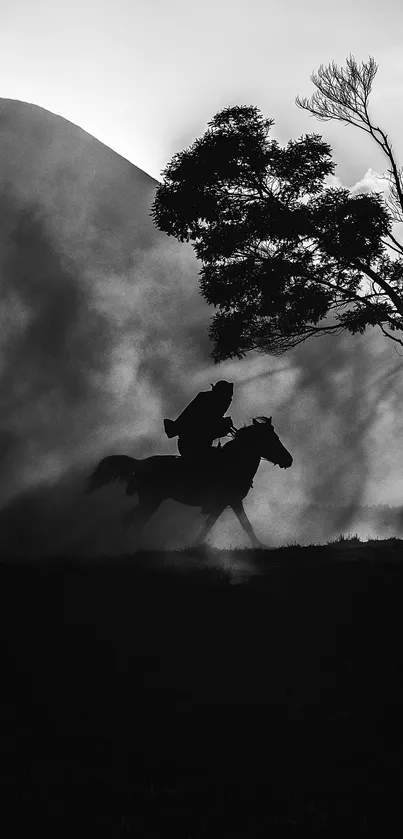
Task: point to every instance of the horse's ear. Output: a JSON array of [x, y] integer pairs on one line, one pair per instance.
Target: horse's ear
[[255, 422]]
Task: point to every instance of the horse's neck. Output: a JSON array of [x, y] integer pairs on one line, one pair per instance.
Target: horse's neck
[[245, 453]]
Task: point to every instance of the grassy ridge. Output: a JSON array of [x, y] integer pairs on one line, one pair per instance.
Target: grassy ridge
[[159, 701]]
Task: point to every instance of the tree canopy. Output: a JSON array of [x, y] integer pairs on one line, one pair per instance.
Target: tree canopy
[[284, 256]]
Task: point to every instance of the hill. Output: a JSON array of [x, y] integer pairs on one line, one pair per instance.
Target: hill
[[99, 311]]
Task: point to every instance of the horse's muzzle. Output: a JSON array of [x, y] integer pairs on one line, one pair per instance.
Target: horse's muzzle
[[287, 463]]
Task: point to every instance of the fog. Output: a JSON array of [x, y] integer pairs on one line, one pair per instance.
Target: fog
[[104, 333]]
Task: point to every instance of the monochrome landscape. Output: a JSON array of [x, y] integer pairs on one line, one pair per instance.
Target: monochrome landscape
[[152, 688]]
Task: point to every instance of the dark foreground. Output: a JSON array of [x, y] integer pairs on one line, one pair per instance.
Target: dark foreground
[[166, 702]]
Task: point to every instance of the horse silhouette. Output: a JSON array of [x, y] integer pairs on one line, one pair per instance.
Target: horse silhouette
[[222, 480]]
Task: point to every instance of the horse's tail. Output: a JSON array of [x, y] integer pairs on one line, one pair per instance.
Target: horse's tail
[[114, 468]]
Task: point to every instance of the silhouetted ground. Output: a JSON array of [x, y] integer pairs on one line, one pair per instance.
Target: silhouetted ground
[[144, 701]]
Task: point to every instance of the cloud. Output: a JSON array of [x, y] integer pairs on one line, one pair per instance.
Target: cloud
[[371, 182]]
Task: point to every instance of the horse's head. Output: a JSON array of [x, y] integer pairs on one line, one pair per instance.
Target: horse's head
[[269, 445]]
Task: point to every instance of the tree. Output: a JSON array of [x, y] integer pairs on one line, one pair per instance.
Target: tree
[[283, 256]]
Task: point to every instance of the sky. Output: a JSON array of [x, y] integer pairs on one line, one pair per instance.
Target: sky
[[144, 78]]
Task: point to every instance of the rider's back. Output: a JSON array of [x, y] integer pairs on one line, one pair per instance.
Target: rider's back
[[201, 422]]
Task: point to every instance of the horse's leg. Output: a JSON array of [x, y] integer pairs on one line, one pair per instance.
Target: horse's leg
[[244, 521], [211, 520], [141, 514]]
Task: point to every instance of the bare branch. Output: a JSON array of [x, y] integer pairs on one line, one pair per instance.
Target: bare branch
[[342, 94]]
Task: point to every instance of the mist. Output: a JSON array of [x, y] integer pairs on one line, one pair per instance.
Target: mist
[[104, 333]]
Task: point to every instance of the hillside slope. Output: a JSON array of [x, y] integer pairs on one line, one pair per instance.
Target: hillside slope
[[99, 311]]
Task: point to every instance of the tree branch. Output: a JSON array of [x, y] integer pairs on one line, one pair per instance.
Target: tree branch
[[392, 294], [396, 241], [400, 251], [392, 337], [395, 173]]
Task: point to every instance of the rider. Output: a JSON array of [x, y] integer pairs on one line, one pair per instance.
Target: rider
[[202, 421]]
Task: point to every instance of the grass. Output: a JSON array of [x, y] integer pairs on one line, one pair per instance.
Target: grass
[[140, 698], [351, 540]]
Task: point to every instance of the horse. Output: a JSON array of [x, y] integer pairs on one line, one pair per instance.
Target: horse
[[222, 479]]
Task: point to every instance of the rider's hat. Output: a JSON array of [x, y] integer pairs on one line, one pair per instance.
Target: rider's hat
[[223, 386]]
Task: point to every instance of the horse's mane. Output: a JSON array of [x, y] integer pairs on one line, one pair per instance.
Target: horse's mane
[[260, 420], [246, 429]]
